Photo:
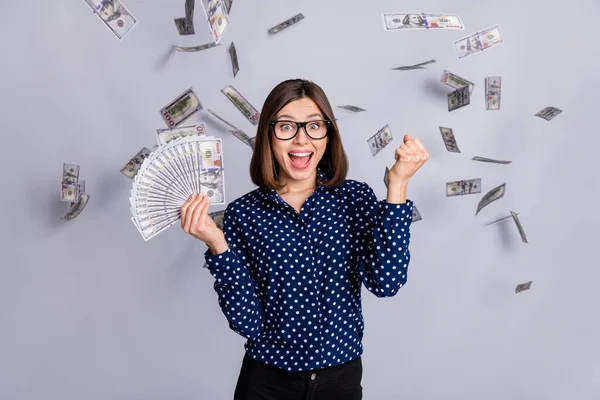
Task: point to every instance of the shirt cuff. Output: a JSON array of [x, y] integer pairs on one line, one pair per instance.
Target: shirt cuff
[[399, 211], [215, 262]]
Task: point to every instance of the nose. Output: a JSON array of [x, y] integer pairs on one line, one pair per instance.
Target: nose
[[302, 136]]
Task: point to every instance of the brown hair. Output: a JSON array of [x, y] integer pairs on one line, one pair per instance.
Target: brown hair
[[263, 166]]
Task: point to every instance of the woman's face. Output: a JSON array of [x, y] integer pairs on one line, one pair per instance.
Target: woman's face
[[298, 157]]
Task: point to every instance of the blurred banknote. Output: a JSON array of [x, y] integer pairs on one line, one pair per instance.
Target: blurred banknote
[[242, 104], [193, 49], [385, 176], [285, 24], [228, 4], [77, 207], [455, 81], [490, 160], [80, 190], [352, 108], [217, 16], [70, 180], [548, 113], [416, 66], [218, 217], [243, 137], [467, 186], [164, 136], [181, 108], [234, 59], [491, 196], [379, 140], [396, 21], [500, 219], [458, 98], [185, 25], [478, 42], [449, 139], [214, 114], [133, 166], [416, 216], [519, 226], [492, 92], [114, 15], [523, 286]]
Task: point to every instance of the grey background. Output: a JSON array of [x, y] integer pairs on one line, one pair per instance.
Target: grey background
[[88, 310]]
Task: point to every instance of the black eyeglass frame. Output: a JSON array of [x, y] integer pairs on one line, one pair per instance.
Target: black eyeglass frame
[[302, 125]]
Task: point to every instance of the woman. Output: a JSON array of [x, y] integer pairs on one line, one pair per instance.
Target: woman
[[293, 254]]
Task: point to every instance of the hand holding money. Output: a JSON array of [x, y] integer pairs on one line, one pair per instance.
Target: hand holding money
[[410, 156], [196, 222]]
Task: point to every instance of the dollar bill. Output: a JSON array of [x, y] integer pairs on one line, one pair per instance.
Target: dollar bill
[[523, 286], [194, 49], [416, 66], [458, 98], [164, 136], [214, 114], [242, 104], [217, 16], [455, 81], [352, 108], [185, 26], [478, 41], [70, 180], [519, 226], [397, 21], [492, 92], [285, 24], [114, 15], [218, 217], [499, 219], [467, 186], [180, 109], [490, 160], [491, 196], [449, 139], [80, 190], [234, 59], [416, 215], [132, 167], [379, 140], [253, 141], [548, 113], [385, 177], [77, 207], [243, 137], [228, 4]]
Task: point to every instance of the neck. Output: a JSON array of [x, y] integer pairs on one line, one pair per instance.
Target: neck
[[297, 186]]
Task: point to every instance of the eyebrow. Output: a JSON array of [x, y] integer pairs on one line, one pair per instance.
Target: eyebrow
[[307, 117]]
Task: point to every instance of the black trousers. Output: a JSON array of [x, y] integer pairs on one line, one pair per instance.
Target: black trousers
[[259, 381]]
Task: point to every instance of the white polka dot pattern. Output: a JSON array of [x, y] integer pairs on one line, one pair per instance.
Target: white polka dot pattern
[[291, 282]]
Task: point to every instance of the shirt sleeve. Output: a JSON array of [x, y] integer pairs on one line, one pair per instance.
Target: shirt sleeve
[[381, 239], [236, 289]]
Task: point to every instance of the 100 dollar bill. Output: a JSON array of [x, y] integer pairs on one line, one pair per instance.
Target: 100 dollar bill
[[459, 188], [181, 108], [396, 21]]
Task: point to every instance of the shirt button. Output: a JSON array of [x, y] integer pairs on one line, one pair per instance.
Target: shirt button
[[313, 376]]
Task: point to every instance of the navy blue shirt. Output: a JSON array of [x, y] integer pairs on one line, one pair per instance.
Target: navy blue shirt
[[291, 282]]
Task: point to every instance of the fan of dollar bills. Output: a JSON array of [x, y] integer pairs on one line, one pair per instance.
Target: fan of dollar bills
[[168, 176]]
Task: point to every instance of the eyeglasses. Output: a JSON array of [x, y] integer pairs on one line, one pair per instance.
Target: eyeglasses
[[287, 130]]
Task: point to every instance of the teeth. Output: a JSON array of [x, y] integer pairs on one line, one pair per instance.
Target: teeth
[[301, 154]]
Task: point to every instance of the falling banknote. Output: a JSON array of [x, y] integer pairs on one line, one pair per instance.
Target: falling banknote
[[242, 104], [379, 140], [467, 186], [133, 166], [416, 215], [194, 49], [77, 207], [285, 24], [458, 98], [478, 42], [181, 108], [234, 59], [385, 177], [491, 196], [519, 226], [500, 219], [523, 286], [70, 181], [455, 81], [548, 113], [490, 160], [397, 21], [449, 140], [114, 15], [416, 66], [185, 25], [492, 92], [352, 108]]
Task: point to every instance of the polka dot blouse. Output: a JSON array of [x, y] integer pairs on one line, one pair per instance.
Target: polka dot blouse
[[291, 282]]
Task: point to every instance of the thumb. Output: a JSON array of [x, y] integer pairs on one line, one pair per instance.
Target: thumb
[[407, 138]]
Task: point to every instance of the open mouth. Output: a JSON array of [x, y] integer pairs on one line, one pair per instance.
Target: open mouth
[[300, 160]]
